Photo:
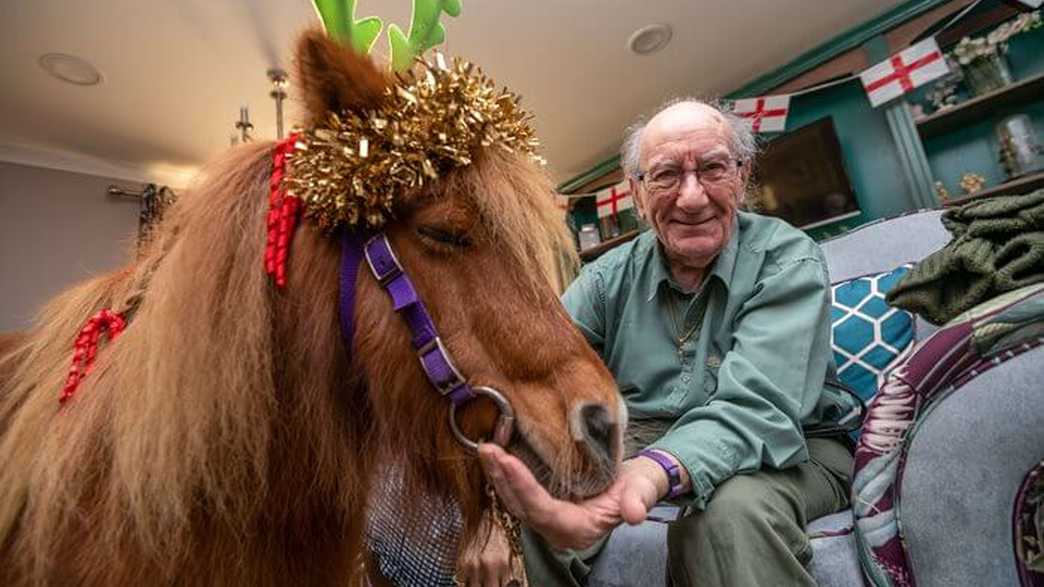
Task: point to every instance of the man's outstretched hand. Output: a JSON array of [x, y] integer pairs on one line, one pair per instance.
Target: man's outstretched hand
[[565, 524]]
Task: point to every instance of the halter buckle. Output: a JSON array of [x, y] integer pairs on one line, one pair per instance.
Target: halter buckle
[[443, 387], [384, 254]]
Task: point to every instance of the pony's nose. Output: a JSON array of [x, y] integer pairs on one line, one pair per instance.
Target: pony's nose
[[599, 429]]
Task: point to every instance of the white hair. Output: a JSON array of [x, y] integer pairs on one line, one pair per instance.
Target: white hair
[[742, 142]]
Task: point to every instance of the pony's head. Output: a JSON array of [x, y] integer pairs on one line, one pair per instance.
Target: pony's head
[[231, 420], [482, 244]]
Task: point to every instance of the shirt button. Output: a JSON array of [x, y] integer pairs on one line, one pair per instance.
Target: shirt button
[[685, 378]]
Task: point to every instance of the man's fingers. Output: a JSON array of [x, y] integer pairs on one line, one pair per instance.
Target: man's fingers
[[515, 484], [495, 474]]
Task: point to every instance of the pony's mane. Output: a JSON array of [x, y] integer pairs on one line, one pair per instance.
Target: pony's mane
[[179, 409], [185, 411]]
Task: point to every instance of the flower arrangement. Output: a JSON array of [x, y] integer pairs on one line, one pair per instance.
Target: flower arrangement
[[970, 49], [982, 57]]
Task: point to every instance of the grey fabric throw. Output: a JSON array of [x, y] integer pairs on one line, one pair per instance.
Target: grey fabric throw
[[998, 246]]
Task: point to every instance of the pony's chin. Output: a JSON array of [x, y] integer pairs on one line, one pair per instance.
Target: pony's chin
[[573, 488]]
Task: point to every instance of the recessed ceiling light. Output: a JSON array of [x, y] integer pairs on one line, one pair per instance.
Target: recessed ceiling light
[[70, 68], [649, 39]]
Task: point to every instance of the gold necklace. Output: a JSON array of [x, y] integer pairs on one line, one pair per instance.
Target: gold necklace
[[682, 338]]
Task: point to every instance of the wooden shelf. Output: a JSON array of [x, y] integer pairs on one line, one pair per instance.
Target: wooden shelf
[[592, 253], [975, 109], [1021, 185]]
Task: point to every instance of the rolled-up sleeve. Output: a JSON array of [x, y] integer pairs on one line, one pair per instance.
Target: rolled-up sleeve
[[767, 382]]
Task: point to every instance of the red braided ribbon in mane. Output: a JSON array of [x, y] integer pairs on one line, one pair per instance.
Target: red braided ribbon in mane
[[282, 217], [85, 349]]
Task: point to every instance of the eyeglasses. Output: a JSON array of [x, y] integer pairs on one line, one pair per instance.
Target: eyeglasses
[[668, 177]]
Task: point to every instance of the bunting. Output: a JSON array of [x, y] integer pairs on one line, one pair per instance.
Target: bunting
[[911, 68], [766, 113]]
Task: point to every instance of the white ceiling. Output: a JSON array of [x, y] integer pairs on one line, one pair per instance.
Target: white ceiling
[[176, 71]]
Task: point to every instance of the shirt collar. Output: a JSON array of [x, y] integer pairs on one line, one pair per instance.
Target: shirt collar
[[722, 267]]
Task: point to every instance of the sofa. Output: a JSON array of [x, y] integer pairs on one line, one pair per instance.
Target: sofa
[[949, 456]]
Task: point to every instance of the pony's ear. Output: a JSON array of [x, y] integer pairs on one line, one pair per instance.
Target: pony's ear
[[332, 77]]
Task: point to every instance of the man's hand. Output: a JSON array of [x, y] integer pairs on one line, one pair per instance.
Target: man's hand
[[564, 524], [486, 562]]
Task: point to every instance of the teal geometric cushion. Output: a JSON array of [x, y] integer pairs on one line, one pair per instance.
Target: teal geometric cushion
[[868, 335]]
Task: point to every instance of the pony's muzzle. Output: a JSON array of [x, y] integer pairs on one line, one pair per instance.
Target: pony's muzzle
[[593, 424]]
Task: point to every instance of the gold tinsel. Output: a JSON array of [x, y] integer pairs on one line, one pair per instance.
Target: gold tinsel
[[351, 170]]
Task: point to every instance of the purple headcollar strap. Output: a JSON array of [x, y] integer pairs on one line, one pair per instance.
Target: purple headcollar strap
[[433, 356]]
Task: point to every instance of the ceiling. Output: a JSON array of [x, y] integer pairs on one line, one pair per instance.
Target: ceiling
[[176, 72]]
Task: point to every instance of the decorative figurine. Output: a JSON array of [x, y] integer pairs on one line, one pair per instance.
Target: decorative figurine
[[972, 182]]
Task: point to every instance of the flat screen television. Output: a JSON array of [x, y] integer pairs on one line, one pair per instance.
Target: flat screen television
[[800, 177]]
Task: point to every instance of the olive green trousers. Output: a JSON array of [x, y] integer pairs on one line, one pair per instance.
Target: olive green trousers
[[751, 533]]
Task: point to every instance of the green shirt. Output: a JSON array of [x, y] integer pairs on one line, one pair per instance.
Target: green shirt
[[735, 394]]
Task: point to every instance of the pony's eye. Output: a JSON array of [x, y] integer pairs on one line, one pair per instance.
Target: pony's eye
[[444, 236]]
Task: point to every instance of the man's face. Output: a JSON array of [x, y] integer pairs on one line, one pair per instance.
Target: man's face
[[694, 220]]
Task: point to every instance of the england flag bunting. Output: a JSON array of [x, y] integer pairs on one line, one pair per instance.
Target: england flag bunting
[[614, 199], [912, 67], [766, 113]]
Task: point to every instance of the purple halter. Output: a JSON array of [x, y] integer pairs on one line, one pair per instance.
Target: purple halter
[[433, 356]]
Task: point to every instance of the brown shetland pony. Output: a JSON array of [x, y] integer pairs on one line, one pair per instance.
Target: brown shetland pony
[[226, 439]]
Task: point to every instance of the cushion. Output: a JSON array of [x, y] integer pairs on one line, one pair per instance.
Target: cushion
[[868, 335], [948, 438]]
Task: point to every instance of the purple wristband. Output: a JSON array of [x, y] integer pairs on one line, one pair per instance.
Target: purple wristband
[[669, 467]]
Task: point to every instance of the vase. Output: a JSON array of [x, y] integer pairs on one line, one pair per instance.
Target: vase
[[986, 74], [1020, 150]]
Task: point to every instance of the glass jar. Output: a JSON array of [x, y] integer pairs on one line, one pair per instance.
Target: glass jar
[[588, 236], [1021, 151], [987, 73]]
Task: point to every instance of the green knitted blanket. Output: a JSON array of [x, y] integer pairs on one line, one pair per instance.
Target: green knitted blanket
[[998, 246]]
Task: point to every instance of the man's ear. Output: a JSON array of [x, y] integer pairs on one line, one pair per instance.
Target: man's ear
[[635, 187], [332, 77], [745, 172]]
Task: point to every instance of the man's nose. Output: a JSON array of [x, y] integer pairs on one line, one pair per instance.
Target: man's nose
[[691, 194]]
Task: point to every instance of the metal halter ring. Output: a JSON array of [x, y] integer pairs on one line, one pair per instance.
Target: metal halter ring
[[501, 430]]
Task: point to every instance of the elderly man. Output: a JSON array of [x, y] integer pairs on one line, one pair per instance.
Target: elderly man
[[716, 326]]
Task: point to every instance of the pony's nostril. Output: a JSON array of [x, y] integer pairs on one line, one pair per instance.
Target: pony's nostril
[[599, 428]]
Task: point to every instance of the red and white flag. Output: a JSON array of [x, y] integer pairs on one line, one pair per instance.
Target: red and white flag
[[912, 67], [615, 199], [766, 113]]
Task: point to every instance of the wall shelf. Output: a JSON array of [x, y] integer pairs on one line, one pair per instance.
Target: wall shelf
[[1020, 185], [975, 109], [591, 253]]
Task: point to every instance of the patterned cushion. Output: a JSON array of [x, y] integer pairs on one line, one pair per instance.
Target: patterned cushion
[[868, 335]]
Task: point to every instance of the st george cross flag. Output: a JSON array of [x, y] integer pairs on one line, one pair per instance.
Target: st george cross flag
[[615, 199], [766, 113], [912, 67]]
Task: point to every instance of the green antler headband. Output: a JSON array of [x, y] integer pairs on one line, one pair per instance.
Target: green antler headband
[[338, 17]]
